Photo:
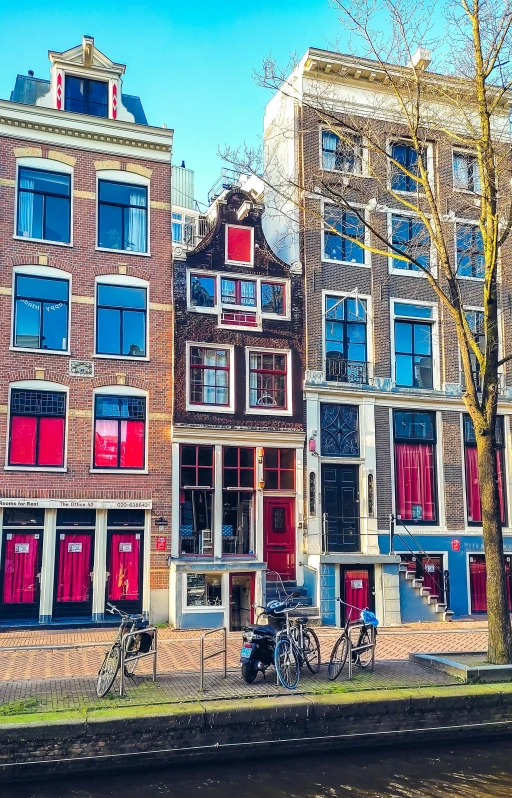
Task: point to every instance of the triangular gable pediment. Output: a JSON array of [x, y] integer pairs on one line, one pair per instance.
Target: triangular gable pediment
[[76, 56]]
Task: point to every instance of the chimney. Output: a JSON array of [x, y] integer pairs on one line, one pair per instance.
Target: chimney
[[421, 59], [31, 73], [183, 164]]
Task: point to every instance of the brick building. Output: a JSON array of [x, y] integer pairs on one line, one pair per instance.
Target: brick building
[[386, 427], [238, 424], [85, 336]]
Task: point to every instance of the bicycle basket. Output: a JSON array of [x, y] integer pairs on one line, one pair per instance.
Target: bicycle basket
[[369, 618]]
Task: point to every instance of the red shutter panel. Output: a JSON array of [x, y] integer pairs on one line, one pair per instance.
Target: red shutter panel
[[106, 444], [51, 442], [23, 440], [239, 244], [132, 444]]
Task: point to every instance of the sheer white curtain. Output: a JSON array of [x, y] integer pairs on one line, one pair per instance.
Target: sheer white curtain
[[26, 208], [135, 221]]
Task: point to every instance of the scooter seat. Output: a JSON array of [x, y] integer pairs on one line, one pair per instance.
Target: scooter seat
[[269, 630]]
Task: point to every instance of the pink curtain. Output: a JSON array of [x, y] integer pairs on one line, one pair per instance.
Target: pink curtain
[[478, 584], [132, 444], [357, 591], [20, 569], [415, 481], [473, 487], [51, 442], [105, 444], [23, 440], [74, 581], [124, 566]]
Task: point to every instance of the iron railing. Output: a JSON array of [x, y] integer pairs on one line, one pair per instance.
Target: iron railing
[[336, 542], [441, 580], [351, 371]]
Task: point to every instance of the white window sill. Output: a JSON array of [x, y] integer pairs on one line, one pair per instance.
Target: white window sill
[[271, 411], [66, 353], [213, 607], [346, 263], [468, 191], [254, 328], [124, 252], [471, 279], [43, 241], [118, 471], [52, 469], [195, 309], [344, 172], [121, 357], [239, 263], [208, 409], [410, 272]]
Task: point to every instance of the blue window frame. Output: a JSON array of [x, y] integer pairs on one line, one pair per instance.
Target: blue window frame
[[44, 205], [122, 211], [121, 320], [339, 430], [410, 236], [85, 96], [336, 245], [41, 306], [405, 156], [470, 251]]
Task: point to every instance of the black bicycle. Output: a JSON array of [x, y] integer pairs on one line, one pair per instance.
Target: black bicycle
[[140, 644], [362, 635]]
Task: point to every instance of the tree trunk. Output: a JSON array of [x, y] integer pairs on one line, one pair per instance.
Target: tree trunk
[[500, 630]]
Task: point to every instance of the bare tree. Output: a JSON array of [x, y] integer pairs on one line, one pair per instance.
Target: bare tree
[[463, 104]]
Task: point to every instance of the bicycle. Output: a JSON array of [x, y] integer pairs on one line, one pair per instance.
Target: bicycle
[[296, 646], [362, 653], [112, 662]]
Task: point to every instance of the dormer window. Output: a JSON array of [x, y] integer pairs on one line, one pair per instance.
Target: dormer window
[[85, 96]]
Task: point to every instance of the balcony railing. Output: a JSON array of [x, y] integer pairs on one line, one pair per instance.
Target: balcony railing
[[351, 371]]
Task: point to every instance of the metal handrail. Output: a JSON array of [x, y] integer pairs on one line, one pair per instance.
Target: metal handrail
[[151, 653], [444, 574], [203, 658]]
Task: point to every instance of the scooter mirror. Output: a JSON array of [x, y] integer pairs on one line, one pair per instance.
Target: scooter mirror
[[295, 595]]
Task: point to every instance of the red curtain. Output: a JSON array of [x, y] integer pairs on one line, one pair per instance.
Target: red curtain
[[105, 444], [415, 481], [51, 442], [473, 487], [20, 568], [132, 444], [74, 581], [357, 591], [124, 566], [478, 583], [23, 440]]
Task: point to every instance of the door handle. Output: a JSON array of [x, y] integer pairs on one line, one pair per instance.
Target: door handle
[[107, 576], [38, 576], [91, 575]]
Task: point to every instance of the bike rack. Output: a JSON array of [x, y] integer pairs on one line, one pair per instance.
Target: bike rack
[[223, 650], [151, 653], [353, 649]]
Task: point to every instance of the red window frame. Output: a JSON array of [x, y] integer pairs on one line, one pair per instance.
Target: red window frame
[[37, 436], [273, 373], [238, 292], [202, 367], [279, 470], [127, 435], [238, 469], [239, 244], [198, 468]]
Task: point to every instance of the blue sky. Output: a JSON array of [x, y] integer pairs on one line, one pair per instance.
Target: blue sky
[[190, 62]]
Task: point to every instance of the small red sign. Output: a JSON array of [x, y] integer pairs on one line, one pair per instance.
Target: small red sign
[[161, 543], [455, 544]]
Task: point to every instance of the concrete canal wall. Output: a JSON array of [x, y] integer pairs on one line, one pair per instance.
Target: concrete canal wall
[[217, 730]]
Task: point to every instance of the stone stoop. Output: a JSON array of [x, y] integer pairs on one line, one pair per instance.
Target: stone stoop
[[436, 608]]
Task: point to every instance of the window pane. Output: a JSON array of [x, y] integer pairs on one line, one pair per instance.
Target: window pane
[[414, 425], [202, 291], [55, 326], [51, 442], [110, 227], [415, 481], [404, 374], [109, 332], [134, 333], [45, 182], [41, 288], [403, 337], [132, 444], [23, 440], [106, 444], [118, 296], [135, 229], [417, 311], [30, 215], [28, 314], [272, 298], [246, 458], [57, 219], [422, 339], [230, 456], [287, 458]]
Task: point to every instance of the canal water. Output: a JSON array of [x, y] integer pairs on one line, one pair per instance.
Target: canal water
[[474, 771]]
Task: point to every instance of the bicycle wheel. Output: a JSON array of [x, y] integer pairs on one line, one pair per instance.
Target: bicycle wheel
[[311, 650], [338, 657], [286, 663], [364, 658], [108, 671]]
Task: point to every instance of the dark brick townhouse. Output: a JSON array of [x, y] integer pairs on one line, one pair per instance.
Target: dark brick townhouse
[[386, 427], [85, 340], [238, 424]]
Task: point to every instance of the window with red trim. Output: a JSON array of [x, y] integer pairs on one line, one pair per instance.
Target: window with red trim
[[239, 467], [473, 505], [267, 380], [239, 244], [209, 376], [415, 473], [119, 432], [196, 466], [38, 421], [196, 499], [279, 469]]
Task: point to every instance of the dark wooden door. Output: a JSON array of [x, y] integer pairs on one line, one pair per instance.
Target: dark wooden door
[[340, 501], [279, 536]]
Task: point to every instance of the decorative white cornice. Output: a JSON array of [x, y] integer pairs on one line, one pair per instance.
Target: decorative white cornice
[[231, 436]]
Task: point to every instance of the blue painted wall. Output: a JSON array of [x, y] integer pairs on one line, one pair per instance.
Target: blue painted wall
[[202, 620], [328, 594], [457, 560]]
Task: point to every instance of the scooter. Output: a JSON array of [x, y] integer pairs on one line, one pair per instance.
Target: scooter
[[259, 641]]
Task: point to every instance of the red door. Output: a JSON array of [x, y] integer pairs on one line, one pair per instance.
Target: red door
[[21, 567], [279, 536], [73, 574], [124, 570], [433, 575], [358, 593], [478, 582]]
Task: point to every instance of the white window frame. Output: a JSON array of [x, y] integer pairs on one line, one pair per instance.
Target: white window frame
[[37, 385], [269, 411], [430, 164], [462, 151], [127, 178], [48, 272], [369, 328], [207, 607], [364, 153], [195, 408], [468, 223], [480, 309], [366, 253], [120, 390], [122, 281], [48, 165], [434, 323], [238, 262], [182, 213], [432, 255]]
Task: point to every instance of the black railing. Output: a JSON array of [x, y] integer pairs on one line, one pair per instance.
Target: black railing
[[339, 535], [339, 370], [419, 555]]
